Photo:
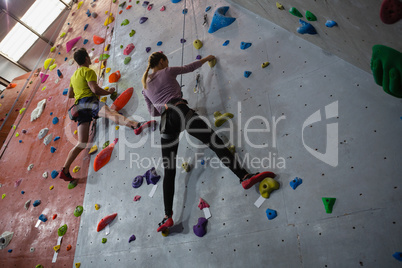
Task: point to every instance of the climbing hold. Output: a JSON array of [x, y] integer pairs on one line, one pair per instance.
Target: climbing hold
[[27, 203], [48, 62], [54, 174], [265, 64], [52, 149], [105, 221], [128, 49], [113, 96], [68, 247], [310, 16], [145, 3], [159, 43], [52, 49], [51, 67], [163, 8], [123, 99], [271, 214], [114, 77], [202, 204], [36, 203], [65, 91], [104, 156], [132, 33], [247, 74], [55, 120], [103, 57], [109, 19], [182, 40], [75, 132], [70, 44], [97, 207], [80, 4], [330, 23], [226, 43], [51, 187], [149, 7], [76, 169], [54, 216], [103, 64], [185, 11], [143, 19], [108, 70], [17, 134], [94, 15], [279, 6], [137, 181], [391, 11], [198, 57], [295, 182], [78, 211], [3, 196], [116, 127], [10, 250], [106, 144], [59, 73], [93, 150], [39, 266], [30, 167], [42, 133], [200, 228], [397, 255], [151, 176], [43, 88], [137, 198], [132, 238], [22, 192], [98, 40], [219, 20], [127, 60], [122, 4], [267, 185], [44, 175], [175, 1], [17, 183], [147, 49], [43, 218], [295, 12], [245, 45], [85, 41], [125, 22], [72, 184], [306, 28], [232, 149], [56, 138], [71, 62], [62, 230], [20, 141], [185, 166], [328, 203], [221, 118], [62, 34], [104, 240], [86, 26], [43, 77], [56, 248], [386, 65], [22, 110], [212, 63], [208, 8], [107, 47], [128, 7], [77, 265], [197, 44]]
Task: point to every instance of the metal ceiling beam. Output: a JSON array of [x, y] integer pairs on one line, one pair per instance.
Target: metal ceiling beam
[[14, 62]]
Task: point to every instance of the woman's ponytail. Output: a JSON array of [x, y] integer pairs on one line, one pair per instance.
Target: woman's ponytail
[[145, 76]]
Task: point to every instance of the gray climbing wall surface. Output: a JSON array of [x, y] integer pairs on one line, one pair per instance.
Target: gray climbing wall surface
[[319, 118]]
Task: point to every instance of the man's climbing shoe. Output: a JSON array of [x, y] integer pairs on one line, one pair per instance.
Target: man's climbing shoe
[[64, 176], [164, 224], [144, 125], [252, 179]]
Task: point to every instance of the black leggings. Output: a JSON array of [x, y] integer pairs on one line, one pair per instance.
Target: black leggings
[[200, 130]]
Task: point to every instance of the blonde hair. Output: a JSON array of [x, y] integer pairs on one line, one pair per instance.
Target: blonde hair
[[153, 61]]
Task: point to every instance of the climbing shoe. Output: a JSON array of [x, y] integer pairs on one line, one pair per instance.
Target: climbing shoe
[[144, 125], [164, 224], [252, 179], [64, 176]]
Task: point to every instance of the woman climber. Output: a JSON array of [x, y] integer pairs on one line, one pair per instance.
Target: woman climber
[[85, 90], [163, 96]]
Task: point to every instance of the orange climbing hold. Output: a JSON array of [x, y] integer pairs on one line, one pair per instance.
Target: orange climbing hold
[[114, 77], [104, 156], [96, 60], [121, 11], [11, 85], [128, 7], [98, 40], [122, 100]]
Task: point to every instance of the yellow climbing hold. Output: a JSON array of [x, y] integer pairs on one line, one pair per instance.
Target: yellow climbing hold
[[106, 88], [108, 70], [43, 88], [103, 65], [17, 134], [77, 265], [48, 62], [76, 169], [56, 248], [232, 149], [97, 206], [51, 67], [3, 196], [212, 63], [52, 49], [107, 47], [80, 4], [279, 6], [117, 127], [93, 149], [197, 44], [14, 126], [265, 64], [62, 34], [75, 132], [103, 99], [221, 118], [185, 166], [109, 19], [267, 185], [51, 187], [106, 12], [22, 110]]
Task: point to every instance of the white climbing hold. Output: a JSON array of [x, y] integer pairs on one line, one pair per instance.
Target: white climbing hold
[[45, 174], [38, 110], [27, 203], [42, 133], [30, 167], [71, 62], [48, 139]]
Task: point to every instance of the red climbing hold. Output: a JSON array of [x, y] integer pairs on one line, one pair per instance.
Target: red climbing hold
[[98, 40], [104, 156], [128, 7], [54, 216], [202, 204], [391, 11], [114, 77], [123, 99], [105, 221]]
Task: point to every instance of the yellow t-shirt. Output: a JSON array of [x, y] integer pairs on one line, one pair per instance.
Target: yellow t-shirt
[[79, 82]]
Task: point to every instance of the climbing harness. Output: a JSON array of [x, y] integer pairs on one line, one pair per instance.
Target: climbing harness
[[165, 116]]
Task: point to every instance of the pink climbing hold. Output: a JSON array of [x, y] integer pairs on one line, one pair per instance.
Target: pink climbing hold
[[163, 8], [202, 204], [137, 197], [43, 77], [128, 49], [17, 183], [150, 7], [391, 11], [70, 44]]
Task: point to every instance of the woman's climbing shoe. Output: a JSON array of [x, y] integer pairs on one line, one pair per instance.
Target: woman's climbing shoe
[[164, 224], [252, 179], [144, 125], [64, 176]]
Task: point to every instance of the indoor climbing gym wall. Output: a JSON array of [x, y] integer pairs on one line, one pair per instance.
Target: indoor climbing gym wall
[[293, 91]]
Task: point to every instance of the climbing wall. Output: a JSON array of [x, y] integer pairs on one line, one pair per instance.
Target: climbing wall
[[308, 114]]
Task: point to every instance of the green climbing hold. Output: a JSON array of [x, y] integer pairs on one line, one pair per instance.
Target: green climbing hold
[[386, 65], [125, 22], [121, 46], [3, 196], [122, 4], [310, 16], [106, 144], [113, 96], [104, 57], [39, 266], [127, 60], [62, 34], [78, 211], [137, 2], [104, 240], [62, 230], [132, 33], [114, 1], [72, 184], [328, 203], [295, 12]]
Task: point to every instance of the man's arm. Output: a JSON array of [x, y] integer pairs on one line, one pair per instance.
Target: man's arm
[[70, 92], [98, 90]]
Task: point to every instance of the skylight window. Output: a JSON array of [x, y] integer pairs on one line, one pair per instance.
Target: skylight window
[[17, 42]]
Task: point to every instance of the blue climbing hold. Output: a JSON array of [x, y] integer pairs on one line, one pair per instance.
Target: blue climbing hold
[[219, 20], [271, 214], [65, 91], [247, 74], [296, 182], [306, 28], [36, 203], [65, 59], [397, 255], [55, 120], [143, 19], [202, 162], [54, 174], [244, 45], [88, 13], [20, 141], [147, 49], [52, 149], [86, 26], [22, 192], [43, 218], [10, 250], [185, 11], [57, 138], [330, 23], [51, 113], [59, 53], [59, 74], [226, 43], [208, 8], [85, 41], [159, 43], [2, 96], [175, 1]]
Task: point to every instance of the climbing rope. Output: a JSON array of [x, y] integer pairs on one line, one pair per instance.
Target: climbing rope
[[182, 43]]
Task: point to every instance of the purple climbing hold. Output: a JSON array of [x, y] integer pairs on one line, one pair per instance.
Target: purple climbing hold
[[147, 49], [245, 45], [200, 228], [198, 57], [143, 19], [306, 28], [247, 74], [145, 4], [182, 40], [226, 43], [132, 238], [151, 176], [159, 43], [137, 182], [86, 26]]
